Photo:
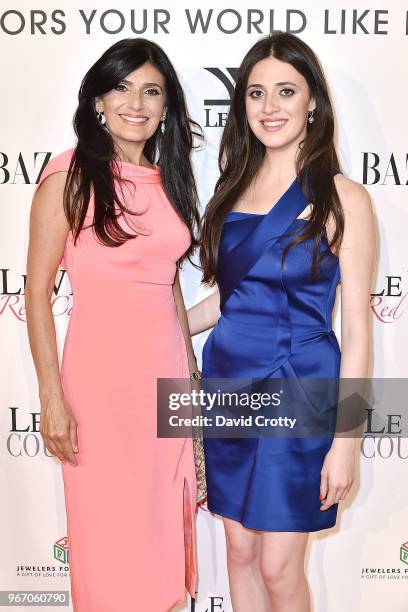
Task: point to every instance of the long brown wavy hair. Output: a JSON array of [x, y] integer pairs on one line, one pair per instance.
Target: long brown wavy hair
[[241, 155], [90, 164]]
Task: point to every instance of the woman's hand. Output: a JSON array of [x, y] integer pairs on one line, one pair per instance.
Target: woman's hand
[[337, 474], [58, 428]]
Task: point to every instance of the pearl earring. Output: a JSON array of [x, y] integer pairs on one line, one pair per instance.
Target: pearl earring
[[310, 117]]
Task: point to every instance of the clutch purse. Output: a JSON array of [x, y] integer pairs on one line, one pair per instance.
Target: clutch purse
[[198, 448], [200, 470]]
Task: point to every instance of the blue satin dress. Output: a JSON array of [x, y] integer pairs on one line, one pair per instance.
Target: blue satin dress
[[273, 323]]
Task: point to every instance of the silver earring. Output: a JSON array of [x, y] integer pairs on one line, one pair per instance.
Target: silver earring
[[310, 117], [101, 117], [162, 126]]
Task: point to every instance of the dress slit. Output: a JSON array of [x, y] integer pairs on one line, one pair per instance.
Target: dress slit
[[188, 540]]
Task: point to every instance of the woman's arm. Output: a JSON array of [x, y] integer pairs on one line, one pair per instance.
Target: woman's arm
[[182, 317], [205, 314], [47, 236], [357, 263]]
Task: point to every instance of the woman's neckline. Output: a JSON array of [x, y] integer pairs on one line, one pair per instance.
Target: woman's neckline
[[145, 174], [249, 214], [133, 165], [242, 212]]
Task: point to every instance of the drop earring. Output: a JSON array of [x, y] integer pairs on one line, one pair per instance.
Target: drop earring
[[310, 116], [101, 117], [162, 126]]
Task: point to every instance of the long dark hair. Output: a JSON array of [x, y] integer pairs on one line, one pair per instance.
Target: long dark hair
[[90, 164], [241, 155]]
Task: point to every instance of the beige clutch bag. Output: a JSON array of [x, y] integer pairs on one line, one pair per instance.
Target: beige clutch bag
[[198, 448]]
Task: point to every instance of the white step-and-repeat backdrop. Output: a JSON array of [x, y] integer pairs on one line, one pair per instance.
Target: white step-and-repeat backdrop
[[360, 565]]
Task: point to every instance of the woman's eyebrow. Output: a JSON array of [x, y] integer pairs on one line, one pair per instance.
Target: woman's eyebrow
[[144, 84], [287, 83], [279, 83], [254, 85], [152, 85]]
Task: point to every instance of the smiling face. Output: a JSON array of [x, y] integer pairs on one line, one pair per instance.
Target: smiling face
[[133, 109], [277, 102]]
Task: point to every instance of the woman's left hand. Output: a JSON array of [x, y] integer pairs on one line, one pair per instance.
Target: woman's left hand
[[337, 474]]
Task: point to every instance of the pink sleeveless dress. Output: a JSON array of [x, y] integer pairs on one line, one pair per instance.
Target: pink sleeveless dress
[[130, 501]]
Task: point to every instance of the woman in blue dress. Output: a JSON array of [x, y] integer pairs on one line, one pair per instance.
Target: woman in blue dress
[[283, 227]]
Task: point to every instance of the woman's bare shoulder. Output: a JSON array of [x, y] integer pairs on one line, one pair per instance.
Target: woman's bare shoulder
[[351, 193]]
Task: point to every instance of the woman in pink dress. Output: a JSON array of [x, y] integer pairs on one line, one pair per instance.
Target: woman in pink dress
[[119, 211]]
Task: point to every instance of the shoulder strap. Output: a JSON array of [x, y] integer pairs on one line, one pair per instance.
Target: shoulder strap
[[59, 163], [236, 262]]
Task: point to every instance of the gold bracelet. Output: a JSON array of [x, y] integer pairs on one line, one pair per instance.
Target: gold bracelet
[[196, 375]]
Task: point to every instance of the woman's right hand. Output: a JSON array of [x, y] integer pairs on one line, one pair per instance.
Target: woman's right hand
[[58, 428]]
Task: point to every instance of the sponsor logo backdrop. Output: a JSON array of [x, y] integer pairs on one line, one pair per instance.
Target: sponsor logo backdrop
[[362, 563]]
